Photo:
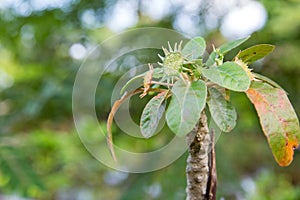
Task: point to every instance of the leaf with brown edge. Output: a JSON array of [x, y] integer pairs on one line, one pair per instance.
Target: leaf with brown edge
[[113, 111], [277, 118], [157, 73]]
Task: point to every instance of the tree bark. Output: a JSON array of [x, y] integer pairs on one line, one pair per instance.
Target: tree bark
[[200, 170]]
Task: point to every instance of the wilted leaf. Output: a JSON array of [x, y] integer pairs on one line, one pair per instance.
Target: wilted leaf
[[152, 113], [187, 102], [114, 109], [225, 48], [229, 75], [255, 53], [157, 73], [195, 47], [278, 120], [222, 111]]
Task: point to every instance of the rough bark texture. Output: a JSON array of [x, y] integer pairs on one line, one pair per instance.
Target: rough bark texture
[[200, 171]]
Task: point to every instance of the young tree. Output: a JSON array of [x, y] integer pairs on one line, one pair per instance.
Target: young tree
[[191, 84]]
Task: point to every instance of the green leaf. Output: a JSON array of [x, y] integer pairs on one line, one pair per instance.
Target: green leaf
[[152, 113], [187, 102], [157, 73], [222, 111], [211, 58], [225, 48], [195, 47], [229, 75], [255, 53], [278, 120]]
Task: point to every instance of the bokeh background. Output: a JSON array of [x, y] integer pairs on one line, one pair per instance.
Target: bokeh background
[[43, 43]]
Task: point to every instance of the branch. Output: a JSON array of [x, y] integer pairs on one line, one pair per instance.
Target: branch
[[200, 171]]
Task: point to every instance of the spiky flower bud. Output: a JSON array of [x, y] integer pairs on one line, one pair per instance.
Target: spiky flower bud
[[173, 60]]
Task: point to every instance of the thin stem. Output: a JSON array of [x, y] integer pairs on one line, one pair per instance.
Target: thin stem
[[161, 83]]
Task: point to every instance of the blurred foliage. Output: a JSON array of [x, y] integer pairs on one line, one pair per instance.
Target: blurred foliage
[[41, 156], [273, 186]]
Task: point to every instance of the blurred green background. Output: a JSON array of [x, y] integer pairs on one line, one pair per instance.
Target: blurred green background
[[43, 43]]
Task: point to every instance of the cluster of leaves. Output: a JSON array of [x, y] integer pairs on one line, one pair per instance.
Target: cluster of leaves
[[191, 84]]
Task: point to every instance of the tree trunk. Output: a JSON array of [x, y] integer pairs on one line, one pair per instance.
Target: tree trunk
[[200, 170]]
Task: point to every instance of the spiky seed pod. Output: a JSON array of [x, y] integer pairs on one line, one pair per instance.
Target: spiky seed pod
[[245, 67], [172, 61]]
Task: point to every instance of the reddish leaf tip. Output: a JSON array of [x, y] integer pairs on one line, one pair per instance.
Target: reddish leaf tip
[[289, 153], [278, 120]]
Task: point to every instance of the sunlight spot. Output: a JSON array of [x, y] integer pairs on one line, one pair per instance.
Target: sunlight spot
[[89, 19], [221, 7], [188, 24], [28, 36], [244, 20], [4, 4], [123, 15], [154, 190], [248, 185], [24, 9], [6, 80], [211, 21], [193, 6], [115, 177], [77, 51], [43, 5], [156, 9]]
